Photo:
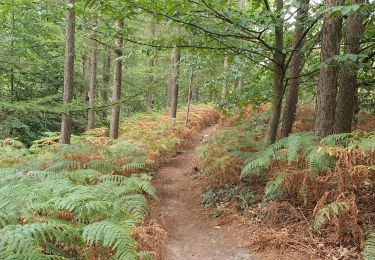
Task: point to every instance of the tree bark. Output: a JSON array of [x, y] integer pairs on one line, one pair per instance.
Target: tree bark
[[347, 92], [66, 120], [152, 63], [225, 82], [106, 75], [93, 85], [174, 82], [328, 75], [85, 74], [12, 86], [117, 84], [296, 66], [196, 93], [241, 81], [279, 74], [190, 95]]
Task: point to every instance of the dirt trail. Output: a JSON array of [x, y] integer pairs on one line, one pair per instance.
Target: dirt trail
[[191, 232]]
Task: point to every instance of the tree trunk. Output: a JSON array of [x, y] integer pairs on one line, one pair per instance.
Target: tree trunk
[[240, 84], [328, 76], [242, 4], [190, 95], [106, 75], [296, 66], [152, 62], [85, 75], [225, 83], [66, 120], [196, 93], [279, 74], [117, 81], [347, 92], [93, 85], [174, 82], [12, 89]]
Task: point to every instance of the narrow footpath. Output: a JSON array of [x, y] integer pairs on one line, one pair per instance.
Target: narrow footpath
[[191, 232]]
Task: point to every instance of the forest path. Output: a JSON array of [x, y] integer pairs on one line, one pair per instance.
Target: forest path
[[192, 233]]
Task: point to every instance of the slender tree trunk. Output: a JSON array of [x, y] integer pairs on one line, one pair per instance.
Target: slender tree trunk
[[152, 63], [117, 81], [196, 93], [174, 82], [295, 70], [93, 85], [279, 74], [12, 90], [347, 92], [66, 120], [225, 81], [241, 81], [190, 95], [106, 75], [85, 68], [85, 74], [328, 76]]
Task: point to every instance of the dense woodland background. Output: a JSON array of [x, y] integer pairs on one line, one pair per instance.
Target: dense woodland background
[[232, 53], [68, 67]]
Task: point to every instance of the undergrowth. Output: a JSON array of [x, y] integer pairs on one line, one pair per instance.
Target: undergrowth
[[331, 181], [86, 200]]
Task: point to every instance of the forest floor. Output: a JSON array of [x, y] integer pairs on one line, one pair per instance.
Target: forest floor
[[191, 232]]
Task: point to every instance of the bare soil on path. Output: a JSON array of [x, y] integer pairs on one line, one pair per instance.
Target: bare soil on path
[[192, 233]]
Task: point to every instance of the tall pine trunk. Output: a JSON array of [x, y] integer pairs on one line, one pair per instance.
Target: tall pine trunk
[[225, 80], [328, 76], [152, 63], [241, 81], [93, 85], [174, 85], [106, 75], [347, 92], [190, 96], [117, 82], [279, 75], [66, 120], [296, 66]]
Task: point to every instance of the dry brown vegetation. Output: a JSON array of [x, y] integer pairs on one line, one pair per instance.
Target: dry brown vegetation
[[325, 215]]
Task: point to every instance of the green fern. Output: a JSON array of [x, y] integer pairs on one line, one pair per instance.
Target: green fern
[[367, 143], [274, 187], [258, 161], [102, 166], [369, 250], [326, 213], [336, 139], [319, 161], [134, 166], [21, 241], [65, 165], [114, 236]]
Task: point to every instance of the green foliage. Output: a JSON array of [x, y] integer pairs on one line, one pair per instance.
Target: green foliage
[[370, 247], [62, 202], [274, 187], [210, 198], [65, 165], [111, 235], [326, 213], [23, 241], [102, 166], [299, 146], [243, 196]]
